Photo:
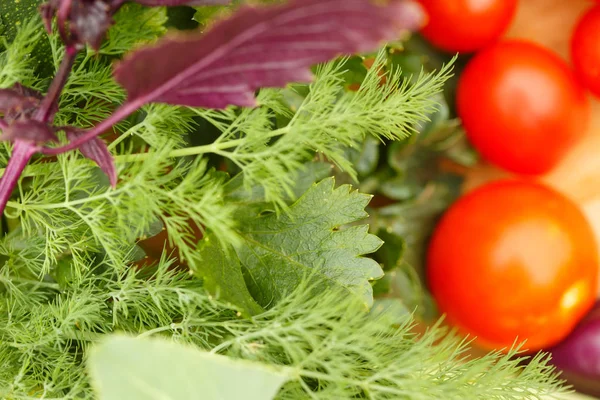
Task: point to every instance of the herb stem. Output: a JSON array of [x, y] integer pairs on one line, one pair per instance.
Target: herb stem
[[32, 282], [46, 111], [216, 147], [22, 152], [151, 332], [120, 113]]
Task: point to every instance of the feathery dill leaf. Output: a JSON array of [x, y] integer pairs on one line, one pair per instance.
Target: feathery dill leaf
[[327, 121], [16, 64], [332, 349]]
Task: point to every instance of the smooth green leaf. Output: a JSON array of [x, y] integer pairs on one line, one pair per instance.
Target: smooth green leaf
[[145, 369], [311, 172], [279, 251], [392, 251], [366, 157], [223, 277]]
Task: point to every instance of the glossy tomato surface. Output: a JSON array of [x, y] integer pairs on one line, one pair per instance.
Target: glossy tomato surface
[[513, 260], [585, 50], [521, 106], [466, 25]]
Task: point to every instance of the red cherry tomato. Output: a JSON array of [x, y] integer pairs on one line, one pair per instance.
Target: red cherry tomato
[[521, 106], [514, 260], [585, 50], [466, 25]]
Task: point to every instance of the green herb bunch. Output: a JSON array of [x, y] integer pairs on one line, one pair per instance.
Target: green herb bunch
[[264, 286]]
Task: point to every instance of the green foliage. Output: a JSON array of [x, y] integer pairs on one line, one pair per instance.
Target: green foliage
[[126, 368], [134, 25], [66, 272], [14, 14], [329, 349], [414, 179], [222, 275], [16, 63]]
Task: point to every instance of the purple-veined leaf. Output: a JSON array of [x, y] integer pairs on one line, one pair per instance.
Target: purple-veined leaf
[[89, 21], [259, 47], [27, 91], [28, 130], [19, 102], [9, 99], [97, 151], [170, 3]]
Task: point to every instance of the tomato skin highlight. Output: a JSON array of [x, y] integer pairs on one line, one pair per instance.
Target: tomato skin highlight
[[466, 25], [513, 260], [585, 50], [522, 107]]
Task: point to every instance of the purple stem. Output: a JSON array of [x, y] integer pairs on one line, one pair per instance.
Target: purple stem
[[62, 18], [22, 152], [3, 124], [46, 111], [120, 113]]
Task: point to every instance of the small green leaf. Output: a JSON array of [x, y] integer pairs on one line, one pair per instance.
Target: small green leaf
[[365, 158], [355, 70], [223, 276], [205, 14], [278, 252], [127, 368], [392, 251], [182, 18], [310, 173]]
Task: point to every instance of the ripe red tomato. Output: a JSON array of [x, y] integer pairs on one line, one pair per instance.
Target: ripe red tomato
[[514, 260], [466, 25], [585, 50], [521, 106]]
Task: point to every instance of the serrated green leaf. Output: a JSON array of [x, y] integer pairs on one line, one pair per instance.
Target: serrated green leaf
[[203, 15], [127, 368], [279, 251], [223, 277]]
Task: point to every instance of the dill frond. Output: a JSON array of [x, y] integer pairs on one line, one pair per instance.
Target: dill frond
[[16, 64]]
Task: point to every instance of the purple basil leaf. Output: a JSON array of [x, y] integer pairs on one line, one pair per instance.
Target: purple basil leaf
[[259, 47], [80, 21], [170, 3], [9, 99], [29, 131], [87, 21], [97, 151], [19, 102], [90, 20], [27, 91], [47, 10]]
